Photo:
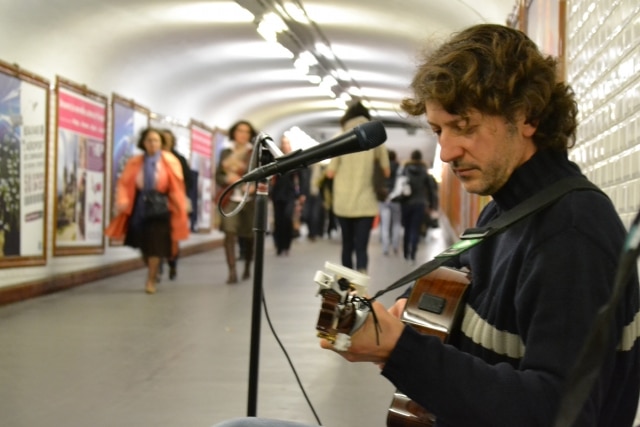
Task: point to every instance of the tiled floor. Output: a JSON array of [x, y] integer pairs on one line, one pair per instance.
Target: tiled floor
[[106, 354]]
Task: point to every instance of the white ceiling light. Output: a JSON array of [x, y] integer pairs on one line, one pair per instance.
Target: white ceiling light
[[301, 65], [341, 104], [205, 12], [344, 96], [269, 27], [328, 82], [343, 75], [308, 58], [355, 91], [296, 13], [324, 50], [299, 139], [285, 22]]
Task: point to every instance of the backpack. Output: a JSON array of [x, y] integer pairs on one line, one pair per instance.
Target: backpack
[[402, 188], [416, 182]]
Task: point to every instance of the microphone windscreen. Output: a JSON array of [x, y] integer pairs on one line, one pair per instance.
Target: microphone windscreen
[[371, 134]]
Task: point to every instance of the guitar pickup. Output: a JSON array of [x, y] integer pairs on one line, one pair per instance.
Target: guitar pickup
[[432, 303]]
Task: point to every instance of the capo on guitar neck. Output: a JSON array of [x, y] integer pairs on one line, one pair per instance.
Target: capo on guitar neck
[[344, 305]]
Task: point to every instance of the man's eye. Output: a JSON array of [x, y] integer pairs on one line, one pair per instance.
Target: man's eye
[[465, 130]]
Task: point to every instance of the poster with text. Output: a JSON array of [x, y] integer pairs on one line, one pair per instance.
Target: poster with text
[[129, 120], [23, 167], [80, 171], [201, 157]]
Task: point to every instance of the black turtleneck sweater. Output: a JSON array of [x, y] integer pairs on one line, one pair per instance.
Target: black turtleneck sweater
[[535, 291]]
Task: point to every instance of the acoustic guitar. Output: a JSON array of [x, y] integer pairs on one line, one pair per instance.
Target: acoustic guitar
[[434, 307]]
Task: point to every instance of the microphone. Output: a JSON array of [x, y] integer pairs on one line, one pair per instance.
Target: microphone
[[361, 138]]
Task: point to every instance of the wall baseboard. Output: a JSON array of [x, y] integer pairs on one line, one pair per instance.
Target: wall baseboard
[[72, 279]]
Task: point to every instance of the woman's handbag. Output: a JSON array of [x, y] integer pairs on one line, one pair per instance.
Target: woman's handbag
[[156, 205], [379, 182]]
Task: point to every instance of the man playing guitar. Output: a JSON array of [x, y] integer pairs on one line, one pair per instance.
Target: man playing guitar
[[504, 123]]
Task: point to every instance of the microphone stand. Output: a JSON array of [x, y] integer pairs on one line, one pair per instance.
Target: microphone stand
[[260, 227]]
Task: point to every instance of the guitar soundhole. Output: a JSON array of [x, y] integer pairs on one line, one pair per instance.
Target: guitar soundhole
[[432, 303]]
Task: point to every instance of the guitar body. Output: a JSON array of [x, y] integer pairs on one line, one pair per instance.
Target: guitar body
[[434, 307]]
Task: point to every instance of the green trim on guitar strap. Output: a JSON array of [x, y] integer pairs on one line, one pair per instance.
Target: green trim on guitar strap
[[459, 247]]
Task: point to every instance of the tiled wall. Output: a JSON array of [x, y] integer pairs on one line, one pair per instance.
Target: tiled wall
[[603, 67]]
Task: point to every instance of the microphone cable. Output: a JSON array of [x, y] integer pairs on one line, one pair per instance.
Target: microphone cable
[[286, 355]]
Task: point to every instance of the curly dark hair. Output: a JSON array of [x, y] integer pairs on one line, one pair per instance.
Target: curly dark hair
[[233, 128], [498, 71], [143, 136]]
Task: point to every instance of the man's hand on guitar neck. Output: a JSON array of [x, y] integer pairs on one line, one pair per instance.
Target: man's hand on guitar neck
[[369, 346]]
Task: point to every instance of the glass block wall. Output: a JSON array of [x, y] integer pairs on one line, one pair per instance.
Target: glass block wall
[[603, 67]]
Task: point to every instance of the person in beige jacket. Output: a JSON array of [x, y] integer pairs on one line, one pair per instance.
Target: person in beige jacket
[[354, 198]]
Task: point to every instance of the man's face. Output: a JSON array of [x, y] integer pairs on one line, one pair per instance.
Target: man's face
[[482, 151]]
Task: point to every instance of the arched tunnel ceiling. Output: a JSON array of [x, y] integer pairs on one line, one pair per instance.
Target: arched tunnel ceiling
[[204, 60]]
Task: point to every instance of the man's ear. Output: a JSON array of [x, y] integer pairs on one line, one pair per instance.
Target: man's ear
[[528, 128]]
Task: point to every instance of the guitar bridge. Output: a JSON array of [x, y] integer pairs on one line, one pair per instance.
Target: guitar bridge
[[432, 303]]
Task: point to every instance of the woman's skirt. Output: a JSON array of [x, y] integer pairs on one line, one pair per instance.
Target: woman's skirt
[[152, 237]]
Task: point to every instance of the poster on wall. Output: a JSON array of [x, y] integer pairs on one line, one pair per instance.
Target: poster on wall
[[220, 141], [201, 161], [24, 101], [80, 170], [129, 120], [545, 26]]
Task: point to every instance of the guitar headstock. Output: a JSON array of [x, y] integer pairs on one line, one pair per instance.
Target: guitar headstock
[[342, 311]]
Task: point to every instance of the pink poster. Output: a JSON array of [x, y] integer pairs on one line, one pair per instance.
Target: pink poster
[[80, 173], [201, 160]]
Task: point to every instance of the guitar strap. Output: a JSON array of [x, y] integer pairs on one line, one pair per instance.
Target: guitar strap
[[473, 236]]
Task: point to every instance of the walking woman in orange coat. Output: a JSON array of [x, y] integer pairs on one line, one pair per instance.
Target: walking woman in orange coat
[[156, 237]]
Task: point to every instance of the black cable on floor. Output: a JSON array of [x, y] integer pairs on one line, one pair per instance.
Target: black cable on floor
[[293, 369]]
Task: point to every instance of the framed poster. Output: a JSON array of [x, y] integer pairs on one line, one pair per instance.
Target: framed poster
[[128, 121], [545, 25], [201, 161], [81, 130], [24, 112]]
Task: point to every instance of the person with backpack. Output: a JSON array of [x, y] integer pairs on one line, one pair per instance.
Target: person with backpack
[[416, 204], [390, 212]]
